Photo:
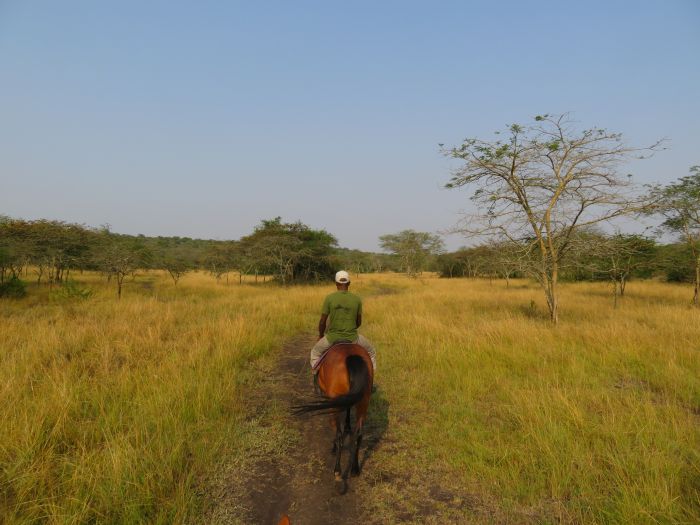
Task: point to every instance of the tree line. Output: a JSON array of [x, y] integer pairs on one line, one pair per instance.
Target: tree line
[[615, 258], [49, 251]]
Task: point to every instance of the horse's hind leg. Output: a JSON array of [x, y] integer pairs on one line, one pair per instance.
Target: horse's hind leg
[[340, 483], [338, 443], [335, 427], [348, 426], [355, 458], [355, 471], [352, 460]]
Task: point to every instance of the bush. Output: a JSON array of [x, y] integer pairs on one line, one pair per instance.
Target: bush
[[15, 288], [71, 290]]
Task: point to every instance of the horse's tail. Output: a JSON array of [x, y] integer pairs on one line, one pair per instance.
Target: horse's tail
[[359, 383]]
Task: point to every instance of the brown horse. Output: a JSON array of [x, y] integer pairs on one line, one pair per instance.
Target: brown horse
[[345, 377]]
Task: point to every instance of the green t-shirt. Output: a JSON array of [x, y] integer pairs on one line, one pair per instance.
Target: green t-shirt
[[342, 309]]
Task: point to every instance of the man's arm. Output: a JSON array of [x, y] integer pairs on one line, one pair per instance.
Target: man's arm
[[322, 325]]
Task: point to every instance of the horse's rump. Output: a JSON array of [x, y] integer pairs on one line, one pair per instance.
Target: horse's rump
[[345, 376]]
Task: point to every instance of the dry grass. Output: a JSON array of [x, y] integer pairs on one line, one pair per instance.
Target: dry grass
[[112, 411], [596, 420]]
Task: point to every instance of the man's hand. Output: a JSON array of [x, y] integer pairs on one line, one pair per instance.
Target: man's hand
[[322, 326]]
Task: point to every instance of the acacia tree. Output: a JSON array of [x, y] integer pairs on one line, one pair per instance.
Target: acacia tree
[[119, 256], [615, 258], [504, 260], [412, 248], [679, 204], [221, 258], [540, 185], [291, 252]]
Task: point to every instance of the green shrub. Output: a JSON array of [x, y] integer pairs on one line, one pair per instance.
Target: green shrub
[[15, 288], [71, 290]]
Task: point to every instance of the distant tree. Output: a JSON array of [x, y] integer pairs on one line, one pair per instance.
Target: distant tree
[[56, 247], [177, 256], [679, 204], [540, 185], [15, 247], [413, 248], [449, 265], [176, 267], [615, 258], [504, 259], [221, 258], [377, 263], [676, 262], [50, 248], [118, 256], [5, 262], [291, 252]]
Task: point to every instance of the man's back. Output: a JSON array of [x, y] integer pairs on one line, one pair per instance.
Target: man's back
[[342, 309]]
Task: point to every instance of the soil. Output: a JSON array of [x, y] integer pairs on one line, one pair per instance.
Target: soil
[[298, 480], [304, 484]]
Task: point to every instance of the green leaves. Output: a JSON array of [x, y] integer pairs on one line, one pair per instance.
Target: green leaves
[[413, 248], [553, 146]]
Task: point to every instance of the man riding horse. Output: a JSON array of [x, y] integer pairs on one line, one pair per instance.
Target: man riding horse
[[341, 316]]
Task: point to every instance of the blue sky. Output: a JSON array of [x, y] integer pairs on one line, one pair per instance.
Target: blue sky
[[202, 118]]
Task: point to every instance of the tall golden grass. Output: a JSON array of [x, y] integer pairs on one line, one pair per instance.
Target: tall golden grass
[[596, 420], [113, 410]]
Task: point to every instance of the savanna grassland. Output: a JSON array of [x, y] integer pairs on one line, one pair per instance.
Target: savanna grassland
[[119, 411]]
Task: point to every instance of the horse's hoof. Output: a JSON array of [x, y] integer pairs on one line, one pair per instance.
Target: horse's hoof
[[341, 486], [355, 471]]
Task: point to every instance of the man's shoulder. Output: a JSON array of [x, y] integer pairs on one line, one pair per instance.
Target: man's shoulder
[[345, 295]]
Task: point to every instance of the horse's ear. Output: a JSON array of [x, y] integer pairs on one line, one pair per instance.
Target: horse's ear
[[285, 520]]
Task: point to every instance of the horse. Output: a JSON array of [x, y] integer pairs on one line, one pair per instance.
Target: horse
[[345, 377]]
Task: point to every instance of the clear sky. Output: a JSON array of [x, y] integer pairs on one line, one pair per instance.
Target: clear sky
[[202, 118]]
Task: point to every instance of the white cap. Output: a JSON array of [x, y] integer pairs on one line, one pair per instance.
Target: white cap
[[342, 277]]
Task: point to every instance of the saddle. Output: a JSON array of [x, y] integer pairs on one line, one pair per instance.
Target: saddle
[[337, 343]]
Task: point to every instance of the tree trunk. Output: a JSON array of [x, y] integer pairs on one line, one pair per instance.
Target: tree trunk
[[549, 281]]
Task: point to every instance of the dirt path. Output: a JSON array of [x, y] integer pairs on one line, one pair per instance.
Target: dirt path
[[298, 480]]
